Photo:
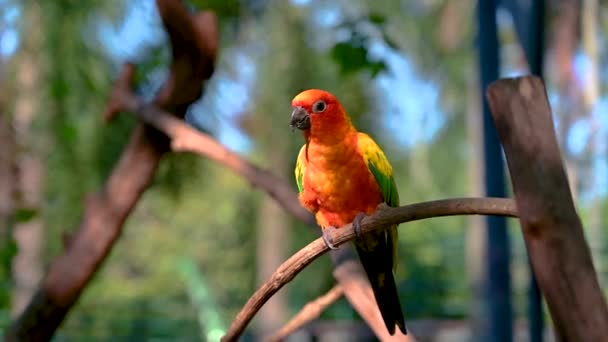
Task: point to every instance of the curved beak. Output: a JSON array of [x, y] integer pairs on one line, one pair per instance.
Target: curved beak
[[300, 119]]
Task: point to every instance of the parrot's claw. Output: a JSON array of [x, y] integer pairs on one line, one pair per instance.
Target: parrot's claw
[[357, 224], [327, 237]]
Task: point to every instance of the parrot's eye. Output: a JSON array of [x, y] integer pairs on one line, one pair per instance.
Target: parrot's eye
[[319, 106]]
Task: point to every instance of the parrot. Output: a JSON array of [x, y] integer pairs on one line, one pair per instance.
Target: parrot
[[342, 175]]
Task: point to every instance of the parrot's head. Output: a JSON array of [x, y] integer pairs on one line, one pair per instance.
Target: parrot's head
[[317, 112]]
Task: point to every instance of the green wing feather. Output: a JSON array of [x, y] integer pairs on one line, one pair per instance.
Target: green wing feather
[[382, 170], [380, 167], [299, 171]]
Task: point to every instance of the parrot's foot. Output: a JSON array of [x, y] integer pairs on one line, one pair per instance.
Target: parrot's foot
[[327, 237], [357, 224]]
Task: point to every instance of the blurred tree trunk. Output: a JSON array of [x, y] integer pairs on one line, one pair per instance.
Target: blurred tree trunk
[[590, 97], [6, 171], [7, 187], [272, 248], [498, 276], [28, 234], [564, 42], [475, 243]]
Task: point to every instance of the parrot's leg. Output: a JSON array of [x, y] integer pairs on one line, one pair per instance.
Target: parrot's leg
[[361, 215], [327, 237], [357, 224]]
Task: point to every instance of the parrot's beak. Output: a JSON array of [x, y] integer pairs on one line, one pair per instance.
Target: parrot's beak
[[300, 119]]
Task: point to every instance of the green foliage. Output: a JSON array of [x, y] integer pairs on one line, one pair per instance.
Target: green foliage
[[78, 75], [353, 57], [22, 215], [8, 249], [223, 8], [176, 173], [352, 54]]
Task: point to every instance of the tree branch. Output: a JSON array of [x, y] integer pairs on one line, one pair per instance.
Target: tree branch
[[382, 218], [310, 311], [552, 230], [194, 41]]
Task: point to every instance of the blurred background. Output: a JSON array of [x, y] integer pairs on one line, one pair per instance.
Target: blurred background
[[201, 239]]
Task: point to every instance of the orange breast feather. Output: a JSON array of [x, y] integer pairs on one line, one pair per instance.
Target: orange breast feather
[[338, 185]]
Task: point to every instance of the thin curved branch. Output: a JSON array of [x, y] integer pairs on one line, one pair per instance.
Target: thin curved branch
[[309, 312], [382, 218]]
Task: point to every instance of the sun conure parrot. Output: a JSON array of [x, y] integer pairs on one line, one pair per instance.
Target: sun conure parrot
[[342, 175]]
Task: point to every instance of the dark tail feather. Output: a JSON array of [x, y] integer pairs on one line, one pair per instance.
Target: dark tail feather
[[377, 262]]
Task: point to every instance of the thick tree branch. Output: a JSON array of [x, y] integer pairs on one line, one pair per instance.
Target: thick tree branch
[[382, 218], [348, 271], [551, 227], [310, 311], [194, 41]]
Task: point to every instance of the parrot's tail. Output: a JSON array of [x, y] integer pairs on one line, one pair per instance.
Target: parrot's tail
[[376, 257]]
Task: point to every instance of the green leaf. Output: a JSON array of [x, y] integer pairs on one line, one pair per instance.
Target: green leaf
[[377, 18], [59, 89], [377, 67], [69, 133], [353, 57], [7, 251], [350, 58], [223, 8], [25, 214]]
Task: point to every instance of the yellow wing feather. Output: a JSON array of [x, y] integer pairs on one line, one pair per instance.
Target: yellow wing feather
[[300, 168], [380, 167], [374, 154]]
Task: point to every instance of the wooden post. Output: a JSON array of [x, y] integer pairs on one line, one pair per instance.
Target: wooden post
[[552, 229]]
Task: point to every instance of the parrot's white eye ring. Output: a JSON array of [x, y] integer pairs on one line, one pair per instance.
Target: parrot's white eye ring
[[319, 106]]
